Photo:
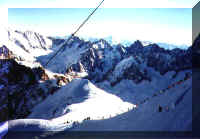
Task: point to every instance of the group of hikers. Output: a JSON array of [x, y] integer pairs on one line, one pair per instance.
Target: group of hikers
[[160, 108], [76, 122]]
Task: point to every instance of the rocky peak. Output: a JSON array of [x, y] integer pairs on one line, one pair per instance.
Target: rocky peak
[[5, 53], [154, 48], [102, 44], [135, 48], [137, 44], [121, 49], [129, 68]]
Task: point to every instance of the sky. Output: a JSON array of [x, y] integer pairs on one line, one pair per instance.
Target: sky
[[168, 21], [93, 3]]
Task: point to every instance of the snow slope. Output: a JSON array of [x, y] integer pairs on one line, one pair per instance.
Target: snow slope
[[27, 45], [31, 42], [147, 118], [68, 56], [79, 100], [3, 129]]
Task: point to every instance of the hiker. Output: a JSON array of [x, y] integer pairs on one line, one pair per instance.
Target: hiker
[[187, 76], [173, 105], [170, 87], [167, 108], [159, 108], [154, 95], [88, 118], [135, 106], [179, 82]]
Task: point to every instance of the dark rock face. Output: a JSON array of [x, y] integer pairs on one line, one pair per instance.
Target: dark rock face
[[130, 68], [122, 50], [135, 74], [99, 61], [5, 53], [14, 73], [103, 44], [89, 62], [88, 59], [196, 53], [135, 48], [73, 41], [160, 59], [75, 68], [20, 90], [61, 80]]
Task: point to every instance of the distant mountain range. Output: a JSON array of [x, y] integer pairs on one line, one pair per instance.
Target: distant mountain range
[[127, 43], [95, 82]]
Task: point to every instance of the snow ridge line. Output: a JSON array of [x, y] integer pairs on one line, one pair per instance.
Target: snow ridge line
[[164, 90], [181, 96]]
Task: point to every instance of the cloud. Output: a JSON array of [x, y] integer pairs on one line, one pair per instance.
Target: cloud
[[130, 30], [123, 30]]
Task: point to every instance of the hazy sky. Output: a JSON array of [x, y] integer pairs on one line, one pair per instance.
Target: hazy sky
[[146, 22], [172, 25]]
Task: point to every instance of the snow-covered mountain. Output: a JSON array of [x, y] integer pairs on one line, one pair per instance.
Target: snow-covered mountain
[[92, 83], [27, 45], [79, 100], [113, 41]]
